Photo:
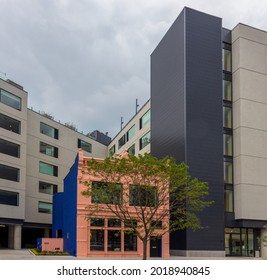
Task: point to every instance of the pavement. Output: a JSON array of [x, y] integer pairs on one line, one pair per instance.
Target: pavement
[[25, 254]]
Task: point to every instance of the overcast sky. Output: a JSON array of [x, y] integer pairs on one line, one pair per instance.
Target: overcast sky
[[86, 61]]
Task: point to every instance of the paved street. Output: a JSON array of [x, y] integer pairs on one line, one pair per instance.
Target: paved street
[[25, 254]]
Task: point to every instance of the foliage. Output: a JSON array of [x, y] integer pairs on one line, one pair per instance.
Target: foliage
[[156, 191], [37, 252], [264, 238], [71, 126]]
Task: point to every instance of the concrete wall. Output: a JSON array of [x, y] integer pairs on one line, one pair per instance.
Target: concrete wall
[[7, 211], [249, 46], [67, 144]]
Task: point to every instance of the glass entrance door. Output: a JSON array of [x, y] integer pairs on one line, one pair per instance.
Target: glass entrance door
[[239, 242], [232, 244]]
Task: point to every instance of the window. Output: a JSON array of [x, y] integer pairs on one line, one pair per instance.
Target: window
[[48, 150], [45, 207], [9, 124], [227, 90], [97, 240], [156, 224], [228, 144], [48, 130], [114, 240], [10, 99], [145, 140], [9, 198], [131, 150], [48, 169], [121, 141], [130, 133], [228, 172], [97, 222], [47, 188], [145, 119], [106, 193], [9, 173], [85, 146], [130, 242], [9, 148], [228, 201], [143, 196], [114, 223], [227, 117], [227, 60], [112, 151]]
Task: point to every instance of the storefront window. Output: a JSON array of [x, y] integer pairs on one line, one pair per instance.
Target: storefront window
[[130, 242], [114, 240], [97, 240]]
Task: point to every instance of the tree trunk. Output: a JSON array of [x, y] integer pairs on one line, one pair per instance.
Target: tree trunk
[[144, 248]]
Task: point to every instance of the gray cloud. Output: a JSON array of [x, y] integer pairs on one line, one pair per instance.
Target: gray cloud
[[86, 61]]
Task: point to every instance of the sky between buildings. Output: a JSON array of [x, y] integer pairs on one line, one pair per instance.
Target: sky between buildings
[[87, 61]]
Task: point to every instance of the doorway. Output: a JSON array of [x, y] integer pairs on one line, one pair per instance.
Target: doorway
[[155, 247]]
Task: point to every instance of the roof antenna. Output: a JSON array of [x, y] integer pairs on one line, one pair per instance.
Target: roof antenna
[[121, 122], [136, 105]]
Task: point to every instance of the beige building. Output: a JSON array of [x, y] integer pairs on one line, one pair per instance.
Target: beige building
[[135, 135], [36, 153]]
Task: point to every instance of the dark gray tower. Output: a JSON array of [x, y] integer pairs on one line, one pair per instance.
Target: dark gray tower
[[186, 117]]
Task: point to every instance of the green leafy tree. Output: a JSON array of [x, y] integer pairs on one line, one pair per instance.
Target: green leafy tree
[[144, 191]]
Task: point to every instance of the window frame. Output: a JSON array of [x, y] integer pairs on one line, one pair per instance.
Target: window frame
[[12, 97], [55, 134], [5, 151]]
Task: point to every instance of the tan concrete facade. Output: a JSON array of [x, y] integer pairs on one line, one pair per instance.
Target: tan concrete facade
[[139, 132], [249, 48]]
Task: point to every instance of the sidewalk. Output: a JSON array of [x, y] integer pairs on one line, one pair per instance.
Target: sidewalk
[[25, 254]]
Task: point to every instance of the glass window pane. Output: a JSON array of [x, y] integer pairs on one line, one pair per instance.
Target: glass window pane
[[130, 242], [45, 207], [9, 124], [131, 133], [227, 90], [9, 148], [48, 150], [47, 188], [227, 117], [9, 173], [131, 150], [10, 99], [121, 141], [97, 240], [49, 130], [145, 119], [227, 60], [114, 223], [48, 169], [228, 144], [114, 240], [228, 201], [97, 222], [228, 172], [145, 140], [9, 198], [85, 146], [143, 196], [106, 193]]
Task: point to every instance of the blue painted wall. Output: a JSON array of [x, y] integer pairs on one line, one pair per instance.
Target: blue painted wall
[[65, 210]]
